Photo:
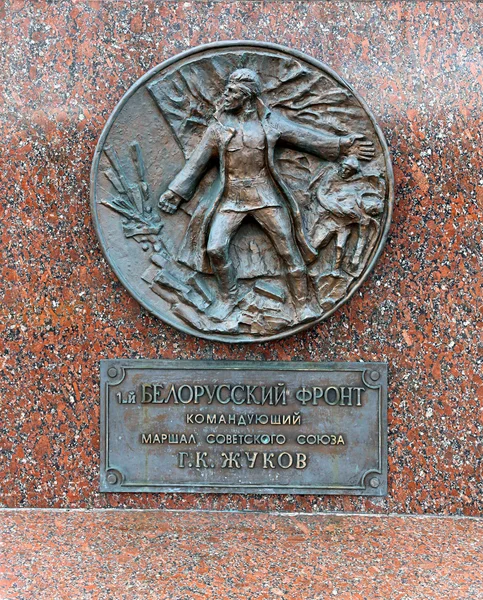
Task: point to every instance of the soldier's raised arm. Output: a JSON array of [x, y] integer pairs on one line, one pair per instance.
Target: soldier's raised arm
[[325, 145]]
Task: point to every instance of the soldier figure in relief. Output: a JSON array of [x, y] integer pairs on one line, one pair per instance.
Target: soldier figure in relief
[[241, 139], [349, 199]]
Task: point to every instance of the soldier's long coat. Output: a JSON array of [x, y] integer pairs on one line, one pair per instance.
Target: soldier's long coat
[[214, 143]]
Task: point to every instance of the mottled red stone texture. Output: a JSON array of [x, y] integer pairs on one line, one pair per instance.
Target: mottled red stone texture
[[148, 555], [65, 65]]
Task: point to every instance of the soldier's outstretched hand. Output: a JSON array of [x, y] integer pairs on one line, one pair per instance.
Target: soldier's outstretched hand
[[169, 202], [358, 145]]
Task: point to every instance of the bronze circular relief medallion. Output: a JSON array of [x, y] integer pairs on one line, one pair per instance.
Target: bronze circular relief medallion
[[242, 191]]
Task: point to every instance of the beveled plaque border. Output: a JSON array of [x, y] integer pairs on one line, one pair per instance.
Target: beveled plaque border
[[363, 488]]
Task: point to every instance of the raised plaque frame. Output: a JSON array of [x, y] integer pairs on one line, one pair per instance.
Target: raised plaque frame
[[371, 481]]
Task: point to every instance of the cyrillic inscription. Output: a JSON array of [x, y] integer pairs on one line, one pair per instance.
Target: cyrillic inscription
[[243, 427]]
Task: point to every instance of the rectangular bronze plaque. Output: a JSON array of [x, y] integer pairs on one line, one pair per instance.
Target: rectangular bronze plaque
[[243, 427]]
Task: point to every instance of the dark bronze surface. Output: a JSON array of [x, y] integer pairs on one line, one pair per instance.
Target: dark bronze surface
[[245, 427], [242, 191]]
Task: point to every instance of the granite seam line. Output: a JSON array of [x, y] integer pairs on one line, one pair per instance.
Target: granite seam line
[[244, 513]]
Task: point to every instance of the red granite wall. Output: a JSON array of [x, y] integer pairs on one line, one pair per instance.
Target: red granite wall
[[64, 67]]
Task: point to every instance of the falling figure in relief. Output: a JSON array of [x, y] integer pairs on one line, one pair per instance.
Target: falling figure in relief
[[240, 140], [349, 199]]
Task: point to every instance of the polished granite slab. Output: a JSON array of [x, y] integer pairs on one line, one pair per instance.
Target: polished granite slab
[[66, 65], [195, 555]]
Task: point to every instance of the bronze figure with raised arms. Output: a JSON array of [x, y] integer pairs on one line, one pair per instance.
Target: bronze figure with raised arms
[[242, 138], [256, 185]]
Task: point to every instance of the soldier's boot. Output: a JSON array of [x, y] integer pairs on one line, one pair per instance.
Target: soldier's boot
[[298, 285], [339, 255], [228, 297]]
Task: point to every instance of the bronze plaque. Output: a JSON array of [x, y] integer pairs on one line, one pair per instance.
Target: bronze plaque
[[243, 427], [242, 191]]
